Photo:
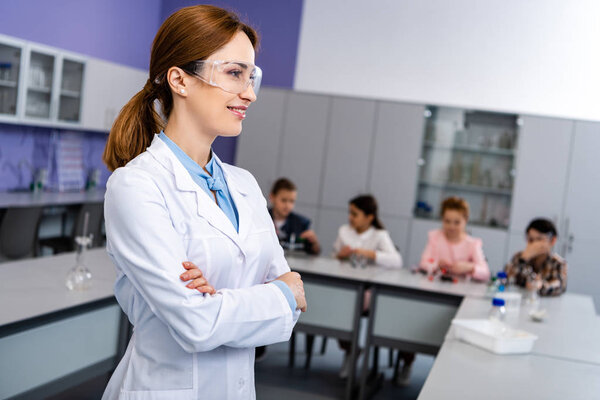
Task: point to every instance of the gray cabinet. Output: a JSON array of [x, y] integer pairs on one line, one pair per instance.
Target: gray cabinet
[[581, 233], [259, 142], [303, 144], [494, 245], [348, 150], [542, 164], [418, 239], [327, 226], [396, 147]]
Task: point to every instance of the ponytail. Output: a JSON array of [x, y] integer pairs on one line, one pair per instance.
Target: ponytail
[[133, 129]]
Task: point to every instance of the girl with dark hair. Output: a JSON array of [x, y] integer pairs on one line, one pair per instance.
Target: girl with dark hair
[[365, 236], [171, 201]]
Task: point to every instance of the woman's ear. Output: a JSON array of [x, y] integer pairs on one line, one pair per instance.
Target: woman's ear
[[177, 81]]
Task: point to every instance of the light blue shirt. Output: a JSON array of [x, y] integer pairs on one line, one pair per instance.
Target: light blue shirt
[[215, 181]]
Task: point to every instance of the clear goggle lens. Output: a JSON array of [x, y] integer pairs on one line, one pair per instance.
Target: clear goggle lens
[[231, 76]]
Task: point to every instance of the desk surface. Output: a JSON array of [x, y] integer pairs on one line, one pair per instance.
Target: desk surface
[[35, 287], [571, 329], [331, 267], [28, 199], [401, 277], [465, 372]]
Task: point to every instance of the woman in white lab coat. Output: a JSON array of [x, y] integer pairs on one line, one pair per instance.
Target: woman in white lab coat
[[171, 200]]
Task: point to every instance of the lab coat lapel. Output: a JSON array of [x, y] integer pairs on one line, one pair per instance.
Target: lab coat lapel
[[239, 194], [206, 206]]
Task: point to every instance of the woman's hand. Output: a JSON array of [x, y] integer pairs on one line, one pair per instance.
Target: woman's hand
[[292, 279], [194, 275]]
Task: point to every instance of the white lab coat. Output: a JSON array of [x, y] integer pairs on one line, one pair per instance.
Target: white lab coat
[[187, 345]]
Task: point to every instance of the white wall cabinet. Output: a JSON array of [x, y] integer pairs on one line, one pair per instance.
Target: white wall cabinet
[[107, 88], [348, 150], [259, 143], [396, 149], [581, 233], [45, 86], [303, 144], [542, 165]]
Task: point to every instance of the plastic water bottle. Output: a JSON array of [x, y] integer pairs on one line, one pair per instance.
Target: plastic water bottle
[[498, 311], [501, 281]]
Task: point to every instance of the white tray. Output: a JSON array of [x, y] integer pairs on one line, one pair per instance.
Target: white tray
[[493, 336]]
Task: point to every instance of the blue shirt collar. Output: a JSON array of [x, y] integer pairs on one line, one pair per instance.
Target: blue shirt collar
[[189, 164]]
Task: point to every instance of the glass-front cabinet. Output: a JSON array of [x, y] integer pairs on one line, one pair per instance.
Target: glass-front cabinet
[[10, 67], [470, 154], [50, 90]]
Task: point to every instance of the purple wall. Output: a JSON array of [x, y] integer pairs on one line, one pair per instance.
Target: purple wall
[[113, 30], [278, 24], [122, 32]]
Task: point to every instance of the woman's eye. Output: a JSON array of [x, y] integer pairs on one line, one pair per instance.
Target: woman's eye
[[236, 73]]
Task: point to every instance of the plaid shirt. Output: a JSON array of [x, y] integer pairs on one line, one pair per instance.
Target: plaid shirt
[[552, 269]]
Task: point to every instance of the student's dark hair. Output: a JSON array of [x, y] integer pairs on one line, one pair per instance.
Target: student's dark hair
[[544, 226], [367, 204], [282, 184], [190, 34]]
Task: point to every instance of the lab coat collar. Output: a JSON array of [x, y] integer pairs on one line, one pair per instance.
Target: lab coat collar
[[207, 208]]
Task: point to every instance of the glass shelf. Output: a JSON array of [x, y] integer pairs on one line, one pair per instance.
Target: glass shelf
[[10, 65], [470, 154], [469, 188], [472, 149]]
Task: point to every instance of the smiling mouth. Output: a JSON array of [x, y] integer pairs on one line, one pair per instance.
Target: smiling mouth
[[240, 112]]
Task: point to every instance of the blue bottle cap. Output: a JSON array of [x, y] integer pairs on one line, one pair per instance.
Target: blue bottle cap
[[497, 302], [501, 275]]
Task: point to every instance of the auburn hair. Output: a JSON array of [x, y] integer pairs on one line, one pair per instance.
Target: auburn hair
[[190, 34], [457, 204]]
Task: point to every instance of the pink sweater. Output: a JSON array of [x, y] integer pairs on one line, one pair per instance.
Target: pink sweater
[[470, 249]]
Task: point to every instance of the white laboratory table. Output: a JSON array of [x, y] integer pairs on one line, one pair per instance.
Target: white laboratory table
[[71, 335], [570, 331], [47, 199], [564, 363], [466, 372]]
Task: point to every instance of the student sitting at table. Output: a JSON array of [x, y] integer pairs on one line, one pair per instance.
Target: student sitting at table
[[451, 249], [291, 227], [364, 236], [538, 267]]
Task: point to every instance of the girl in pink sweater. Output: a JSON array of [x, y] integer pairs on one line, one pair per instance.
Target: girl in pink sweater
[[451, 249]]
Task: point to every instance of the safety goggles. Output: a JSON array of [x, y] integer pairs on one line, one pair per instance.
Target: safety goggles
[[231, 76]]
